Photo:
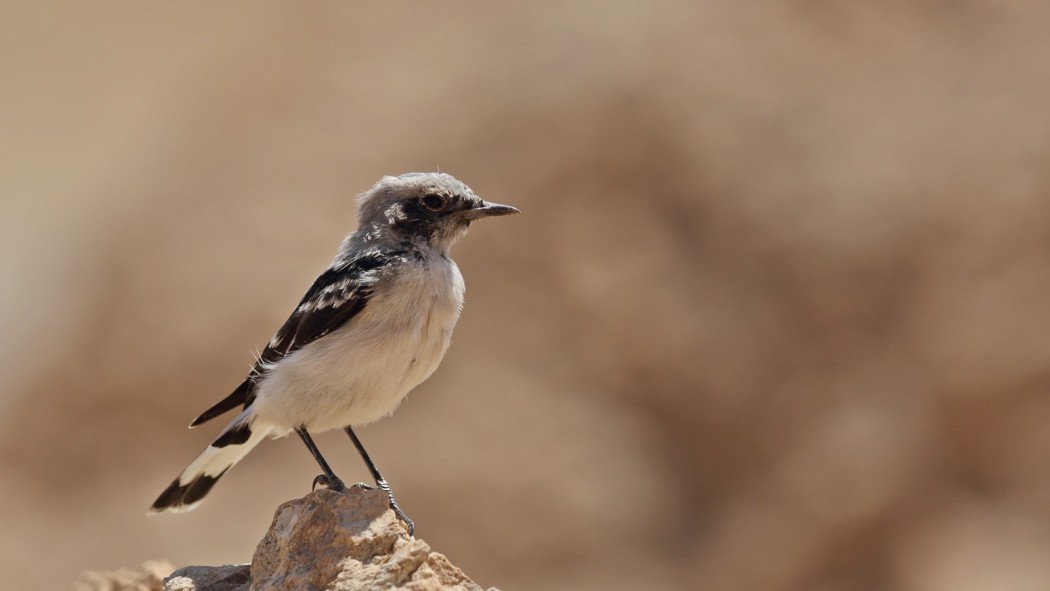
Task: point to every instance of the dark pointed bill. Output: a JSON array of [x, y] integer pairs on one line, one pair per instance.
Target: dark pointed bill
[[489, 209]]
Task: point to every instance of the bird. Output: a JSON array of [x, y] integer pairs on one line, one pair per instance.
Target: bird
[[373, 326]]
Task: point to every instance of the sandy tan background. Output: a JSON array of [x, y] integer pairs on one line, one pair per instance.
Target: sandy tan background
[[775, 317]]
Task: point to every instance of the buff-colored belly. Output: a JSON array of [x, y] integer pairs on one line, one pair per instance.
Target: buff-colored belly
[[362, 371]]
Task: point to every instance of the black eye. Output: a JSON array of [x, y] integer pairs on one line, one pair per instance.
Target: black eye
[[434, 201]]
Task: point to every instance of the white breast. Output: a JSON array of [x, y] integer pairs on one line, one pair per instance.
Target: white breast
[[362, 371]]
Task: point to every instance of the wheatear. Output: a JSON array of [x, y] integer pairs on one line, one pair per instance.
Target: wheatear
[[373, 326]]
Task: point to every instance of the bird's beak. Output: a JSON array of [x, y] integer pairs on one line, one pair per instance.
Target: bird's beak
[[489, 209]]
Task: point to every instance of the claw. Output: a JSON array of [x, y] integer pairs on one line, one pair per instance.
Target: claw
[[411, 525], [329, 483]]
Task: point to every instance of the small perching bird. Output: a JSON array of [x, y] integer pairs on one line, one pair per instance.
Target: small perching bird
[[373, 326]]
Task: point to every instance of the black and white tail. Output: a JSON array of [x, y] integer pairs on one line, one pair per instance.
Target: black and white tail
[[188, 490]]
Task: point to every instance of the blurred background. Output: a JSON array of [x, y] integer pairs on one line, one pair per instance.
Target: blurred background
[[774, 317]]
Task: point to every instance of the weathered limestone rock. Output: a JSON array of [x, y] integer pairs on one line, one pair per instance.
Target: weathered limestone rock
[[329, 541], [232, 577]]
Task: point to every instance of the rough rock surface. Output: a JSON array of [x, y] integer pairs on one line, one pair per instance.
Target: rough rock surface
[[332, 541], [232, 577]]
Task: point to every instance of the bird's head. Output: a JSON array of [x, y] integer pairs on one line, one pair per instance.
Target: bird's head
[[423, 207]]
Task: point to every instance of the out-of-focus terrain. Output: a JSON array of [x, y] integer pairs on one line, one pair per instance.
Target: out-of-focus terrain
[[775, 316]]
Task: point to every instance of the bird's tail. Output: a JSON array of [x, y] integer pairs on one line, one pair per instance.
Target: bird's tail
[[188, 490]]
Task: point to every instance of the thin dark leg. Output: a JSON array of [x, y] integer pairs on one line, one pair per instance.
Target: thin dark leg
[[380, 481], [329, 478]]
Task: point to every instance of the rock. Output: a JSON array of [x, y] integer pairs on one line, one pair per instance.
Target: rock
[[150, 579], [232, 577], [334, 542]]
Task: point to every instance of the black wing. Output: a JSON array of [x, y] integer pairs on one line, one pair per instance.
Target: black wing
[[339, 294]]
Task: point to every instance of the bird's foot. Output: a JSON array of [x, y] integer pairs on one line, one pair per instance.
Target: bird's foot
[[361, 486], [329, 482], [411, 525]]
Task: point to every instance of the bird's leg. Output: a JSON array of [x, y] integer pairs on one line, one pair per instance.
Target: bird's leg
[[380, 481], [329, 478]]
